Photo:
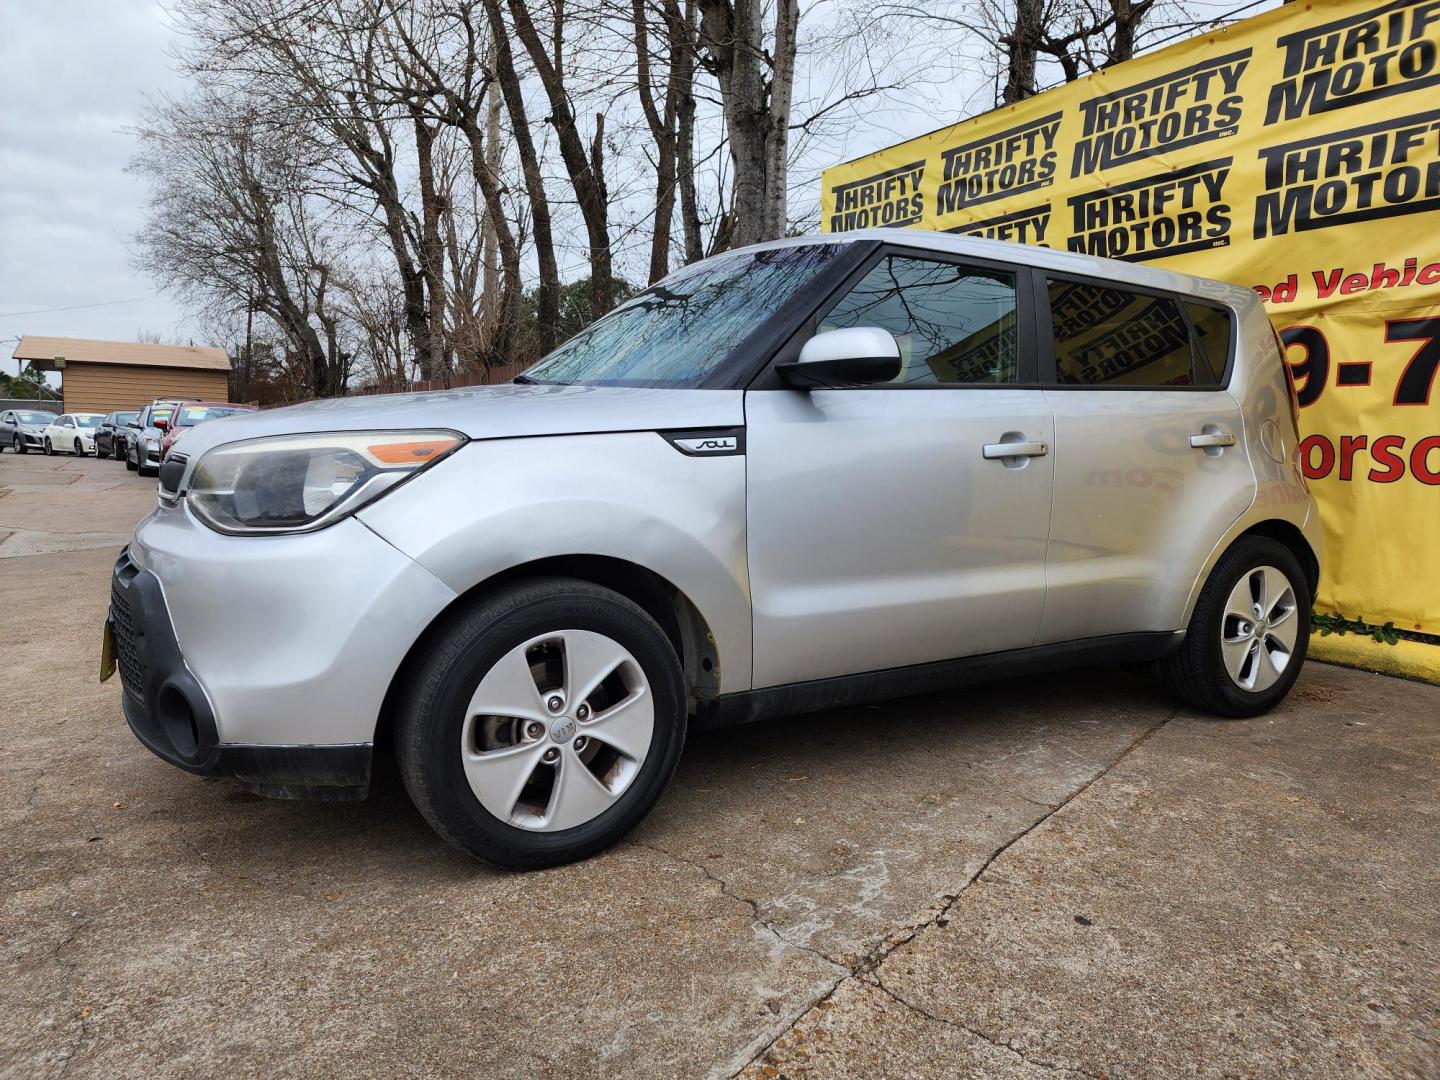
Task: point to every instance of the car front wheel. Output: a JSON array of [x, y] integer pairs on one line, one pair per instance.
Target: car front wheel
[[18, 445], [1249, 633], [49, 450], [542, 723]]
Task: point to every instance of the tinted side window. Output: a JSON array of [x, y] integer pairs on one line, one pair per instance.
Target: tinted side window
[[1212, 333], [1111, 337], [954, 323]]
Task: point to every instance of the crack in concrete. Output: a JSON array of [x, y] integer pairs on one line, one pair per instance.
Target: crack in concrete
[[70, 967], [868, 963], [753, 905], [1000, 1044]]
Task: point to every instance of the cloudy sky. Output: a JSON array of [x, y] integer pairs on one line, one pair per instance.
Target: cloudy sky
[[73, 74]]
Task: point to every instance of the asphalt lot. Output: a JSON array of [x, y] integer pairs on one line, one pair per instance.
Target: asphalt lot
[[1052, 877]]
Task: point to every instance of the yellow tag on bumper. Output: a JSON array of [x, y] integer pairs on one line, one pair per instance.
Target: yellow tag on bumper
[[107, 652]]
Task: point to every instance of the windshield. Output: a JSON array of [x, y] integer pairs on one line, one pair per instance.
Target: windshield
[[198, 414], [35, 417], [159, 414], [125, 417], [679, 331], [84, 420]]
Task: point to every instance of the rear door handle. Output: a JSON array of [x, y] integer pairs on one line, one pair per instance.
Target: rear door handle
[[1216, 438], [997, 450]]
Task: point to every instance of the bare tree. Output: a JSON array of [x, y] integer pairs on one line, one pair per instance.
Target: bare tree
[[756, 86], [229, 217], [586, 168]]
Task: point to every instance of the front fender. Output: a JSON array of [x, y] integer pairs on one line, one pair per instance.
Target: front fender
[[497, 504]]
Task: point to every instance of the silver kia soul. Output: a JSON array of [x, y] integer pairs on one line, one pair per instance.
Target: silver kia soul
[[792, 477]]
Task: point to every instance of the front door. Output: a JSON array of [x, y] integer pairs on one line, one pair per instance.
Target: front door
[[886, 525]]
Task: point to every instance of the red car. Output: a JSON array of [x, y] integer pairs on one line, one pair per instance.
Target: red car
[[189, 413]]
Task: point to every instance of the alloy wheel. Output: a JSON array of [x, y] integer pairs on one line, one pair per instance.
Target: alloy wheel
[[1259, 628], [557, 730]]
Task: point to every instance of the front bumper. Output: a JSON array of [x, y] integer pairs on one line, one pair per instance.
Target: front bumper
[[32, 439], [266, 659]]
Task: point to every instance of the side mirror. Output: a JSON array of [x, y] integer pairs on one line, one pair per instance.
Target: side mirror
[[161, 423], [855, 356]]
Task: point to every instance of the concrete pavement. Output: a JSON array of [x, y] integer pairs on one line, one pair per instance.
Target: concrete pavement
[[1035, 878]]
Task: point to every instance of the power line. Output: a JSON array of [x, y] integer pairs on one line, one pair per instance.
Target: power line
[[76, 307]]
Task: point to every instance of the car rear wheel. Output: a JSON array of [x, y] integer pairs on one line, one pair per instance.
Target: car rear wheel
[[1249, 634], [542, 723]]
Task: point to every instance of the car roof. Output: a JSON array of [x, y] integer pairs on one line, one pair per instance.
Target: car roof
[[1043, 258]]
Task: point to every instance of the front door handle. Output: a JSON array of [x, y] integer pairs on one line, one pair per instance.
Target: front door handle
[[1212, 438], [997, 450]]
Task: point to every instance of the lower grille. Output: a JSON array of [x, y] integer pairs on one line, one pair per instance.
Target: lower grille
[[127, 654]]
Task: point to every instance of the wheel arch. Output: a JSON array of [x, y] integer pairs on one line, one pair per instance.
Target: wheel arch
[[1289, 534], [678, 616], [1275, 528]]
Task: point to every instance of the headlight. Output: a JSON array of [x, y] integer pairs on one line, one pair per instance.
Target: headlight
[[296, 483]]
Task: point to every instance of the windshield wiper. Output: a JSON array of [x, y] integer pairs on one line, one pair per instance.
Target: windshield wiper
[[523, 378]]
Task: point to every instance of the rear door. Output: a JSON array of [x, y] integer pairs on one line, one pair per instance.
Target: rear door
[[1150, 469], [884, 528]]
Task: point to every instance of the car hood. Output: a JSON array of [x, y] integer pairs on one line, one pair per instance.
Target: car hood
[[487, 412]]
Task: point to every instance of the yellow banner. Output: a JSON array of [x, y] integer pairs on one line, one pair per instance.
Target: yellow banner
[[1298, 153]]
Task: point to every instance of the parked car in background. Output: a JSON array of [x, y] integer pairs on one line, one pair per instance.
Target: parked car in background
[[23, 430], [143, 436], [71, 433], [110, 435], [795, 476], [190, 413]]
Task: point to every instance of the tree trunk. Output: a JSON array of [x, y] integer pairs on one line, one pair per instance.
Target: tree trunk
[[662, 129], [547, 289], [1023, 43], [435, 360], [1129, 14], [490, 240], [585, 170], [757, 110], [685, 135], [777, 142]]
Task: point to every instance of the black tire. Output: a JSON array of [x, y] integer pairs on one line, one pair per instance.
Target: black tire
[[49, 450], [1196, 672], [19, 445], [435, 698], [128, 463], [79, 450]]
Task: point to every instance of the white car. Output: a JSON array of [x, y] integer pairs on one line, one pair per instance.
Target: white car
[[72, 433]]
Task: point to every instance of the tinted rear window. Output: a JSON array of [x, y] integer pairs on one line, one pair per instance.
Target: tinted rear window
[[1106, 336]]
